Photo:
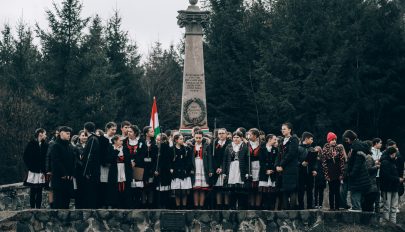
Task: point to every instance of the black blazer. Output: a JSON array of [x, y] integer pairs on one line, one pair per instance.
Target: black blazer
[[92, 158], [218, 159], [63, 161], [267, 162], [34, 156], [182, 163], [288, 160], [207, 160], [166, 156], [243, 160], [113, 173]]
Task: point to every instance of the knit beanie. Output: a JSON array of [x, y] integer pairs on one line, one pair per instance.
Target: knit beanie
[[331, 136]]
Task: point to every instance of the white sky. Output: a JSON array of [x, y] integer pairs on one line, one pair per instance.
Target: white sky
[[146, 21]]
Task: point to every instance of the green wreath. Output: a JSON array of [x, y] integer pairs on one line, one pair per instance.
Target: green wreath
[[199, 121]]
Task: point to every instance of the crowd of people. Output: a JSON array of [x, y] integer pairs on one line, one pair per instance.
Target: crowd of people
[[246, 169]]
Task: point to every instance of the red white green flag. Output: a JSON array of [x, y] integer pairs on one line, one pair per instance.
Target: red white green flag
[[154, 120]]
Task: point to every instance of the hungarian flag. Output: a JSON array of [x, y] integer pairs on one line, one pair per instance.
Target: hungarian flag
[[154, 121]]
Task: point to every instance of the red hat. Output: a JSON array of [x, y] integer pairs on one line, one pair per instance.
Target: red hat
[[331, 136]]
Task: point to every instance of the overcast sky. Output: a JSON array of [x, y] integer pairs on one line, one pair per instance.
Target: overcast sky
[[146, 20]]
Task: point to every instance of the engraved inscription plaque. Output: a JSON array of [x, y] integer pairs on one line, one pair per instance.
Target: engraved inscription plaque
[[170, 221]]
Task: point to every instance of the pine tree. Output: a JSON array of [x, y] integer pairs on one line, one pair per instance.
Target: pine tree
[[97, 97], [21, 99], [163, 79], [127, 70], [61, 65], [229, 58]]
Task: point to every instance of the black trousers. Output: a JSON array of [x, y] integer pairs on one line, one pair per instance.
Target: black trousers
[[334, 194], [103, 189], [239, 201], [163, 199], [90, 193], [319, 196], [269, 200], [62, 192], [80, 201], [377, 199], [305, 185], [369, 200], [289, 200], [120, 199], [35, 197]]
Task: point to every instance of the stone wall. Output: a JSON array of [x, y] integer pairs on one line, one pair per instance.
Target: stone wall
[[151, 220], [17, 197], [14, 216]]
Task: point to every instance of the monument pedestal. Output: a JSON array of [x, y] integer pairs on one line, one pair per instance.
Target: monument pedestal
[[194, 103]]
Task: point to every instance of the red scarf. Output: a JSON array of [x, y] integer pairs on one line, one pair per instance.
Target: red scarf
[[121, 185], [198, 153], [254, 152], [132, 149]]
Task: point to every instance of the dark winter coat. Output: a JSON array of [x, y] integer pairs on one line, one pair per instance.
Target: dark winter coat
[[218, 159], [207, 160], [105, 150], [182, 163], [389, 174], [399, 162], [268, 162], [372, 172], [137, 155], [92, 158], [320, 181], [165, 158], [357, 173], [151, 155], [307, 154], [400, 167], [63, 161], [243, 160], [34, 156], [79, 164], [48, 161], [288, 160]]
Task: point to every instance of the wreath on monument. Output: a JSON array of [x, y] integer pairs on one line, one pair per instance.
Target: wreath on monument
[[198, 121]]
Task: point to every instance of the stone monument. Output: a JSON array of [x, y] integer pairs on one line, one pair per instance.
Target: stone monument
[[194, 104]]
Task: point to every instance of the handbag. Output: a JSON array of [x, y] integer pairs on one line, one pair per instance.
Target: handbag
[[138, 173]]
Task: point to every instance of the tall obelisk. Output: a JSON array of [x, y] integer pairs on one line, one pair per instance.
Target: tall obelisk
[[194, 104]]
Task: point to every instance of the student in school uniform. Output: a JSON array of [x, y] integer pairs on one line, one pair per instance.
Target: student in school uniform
[[163, 177], [235, 170], [202, 167], [135, 148], [287, 166], [119, 175], [105, 141], [255, 150], [150, 167], [267, 174], [220, 145], [34, 159], [181, 170]]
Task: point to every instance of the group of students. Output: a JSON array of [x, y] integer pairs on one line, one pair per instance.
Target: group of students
[[239, 170]]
